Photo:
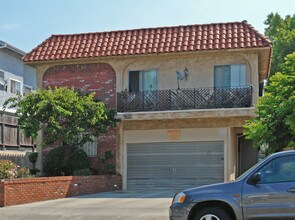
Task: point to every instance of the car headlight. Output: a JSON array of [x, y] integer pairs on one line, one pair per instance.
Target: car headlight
[[179, 198]]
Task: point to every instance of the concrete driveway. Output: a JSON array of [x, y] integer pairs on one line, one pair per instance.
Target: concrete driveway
[[119, 205]]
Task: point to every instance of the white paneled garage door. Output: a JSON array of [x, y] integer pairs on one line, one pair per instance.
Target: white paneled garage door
[[174, 165]]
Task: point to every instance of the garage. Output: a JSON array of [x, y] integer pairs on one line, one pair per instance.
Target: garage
[[177, 165]]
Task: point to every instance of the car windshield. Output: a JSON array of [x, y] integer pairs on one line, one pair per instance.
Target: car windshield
[[250, 170]]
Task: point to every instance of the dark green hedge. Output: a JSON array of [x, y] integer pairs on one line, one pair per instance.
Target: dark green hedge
[[63, 161]]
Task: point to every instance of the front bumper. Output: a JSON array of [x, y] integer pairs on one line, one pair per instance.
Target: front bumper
[[179, 211]]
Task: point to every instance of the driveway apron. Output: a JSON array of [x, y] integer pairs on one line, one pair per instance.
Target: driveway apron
[[119, 205]]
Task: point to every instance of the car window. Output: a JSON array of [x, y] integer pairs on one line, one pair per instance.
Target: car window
[[250, 170], [281, 169]]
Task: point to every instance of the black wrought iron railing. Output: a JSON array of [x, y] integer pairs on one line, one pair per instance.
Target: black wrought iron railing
[[184, 99]]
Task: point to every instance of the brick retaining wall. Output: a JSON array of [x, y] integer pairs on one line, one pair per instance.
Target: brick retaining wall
[[21, 191]]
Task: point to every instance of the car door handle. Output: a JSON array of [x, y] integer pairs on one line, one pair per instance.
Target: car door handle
[[292, 190]]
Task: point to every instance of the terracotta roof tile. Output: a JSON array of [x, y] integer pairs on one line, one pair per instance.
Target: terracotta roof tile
[[218, 36]]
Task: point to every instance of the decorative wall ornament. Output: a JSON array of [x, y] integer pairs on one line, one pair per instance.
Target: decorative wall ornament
[[181, 76]]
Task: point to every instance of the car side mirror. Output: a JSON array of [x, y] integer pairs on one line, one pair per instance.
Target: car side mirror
[[256, 178]]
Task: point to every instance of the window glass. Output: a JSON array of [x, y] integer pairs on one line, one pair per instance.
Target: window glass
[[143, 80], [238, 75], [281, 169], [221, 76], [149, 81], [2, 80], [230, 75], [15, 87]]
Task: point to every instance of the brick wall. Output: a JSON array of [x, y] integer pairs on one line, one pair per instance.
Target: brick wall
[[99, 78], [21, 191]]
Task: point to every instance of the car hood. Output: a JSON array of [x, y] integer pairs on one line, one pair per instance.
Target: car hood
[[214, 190]]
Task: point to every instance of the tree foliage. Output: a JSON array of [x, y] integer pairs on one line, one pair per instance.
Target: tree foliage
[[63, 115], [281, 31], [274, 124]]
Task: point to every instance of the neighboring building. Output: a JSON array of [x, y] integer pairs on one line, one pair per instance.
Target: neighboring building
[[16, 78], [182, 94]]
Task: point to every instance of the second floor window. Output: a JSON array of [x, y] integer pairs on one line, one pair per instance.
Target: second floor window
[[230, 75], [2, 80], [142, 80], [15, 87]]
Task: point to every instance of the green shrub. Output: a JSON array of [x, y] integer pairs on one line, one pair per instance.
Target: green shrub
[[23, 172], [34, 171], [77, 161], [105, 166], [111, 169], [53, 162], [10, 170], [64, 161], [83, 172], [33, 159]]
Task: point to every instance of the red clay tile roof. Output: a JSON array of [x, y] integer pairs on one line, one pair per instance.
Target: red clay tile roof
[[219, 36]]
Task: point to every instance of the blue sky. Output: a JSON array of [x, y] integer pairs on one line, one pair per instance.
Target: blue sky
[[26, 23]]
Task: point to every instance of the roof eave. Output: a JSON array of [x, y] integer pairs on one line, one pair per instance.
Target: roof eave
[[11, 48], [36, 62]]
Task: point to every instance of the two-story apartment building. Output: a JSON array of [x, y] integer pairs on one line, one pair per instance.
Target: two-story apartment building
[[16, 78], [182, 93]]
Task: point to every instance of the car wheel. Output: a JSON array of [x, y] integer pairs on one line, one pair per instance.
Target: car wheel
[[212, 214]]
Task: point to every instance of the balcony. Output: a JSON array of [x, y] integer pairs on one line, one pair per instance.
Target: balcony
[[184, 99]]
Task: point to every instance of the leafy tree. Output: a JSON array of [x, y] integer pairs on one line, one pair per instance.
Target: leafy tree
[[282, 33], [275, 122], [63, 115]]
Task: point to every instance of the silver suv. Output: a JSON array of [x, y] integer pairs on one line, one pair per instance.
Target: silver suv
[[266, 191]]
